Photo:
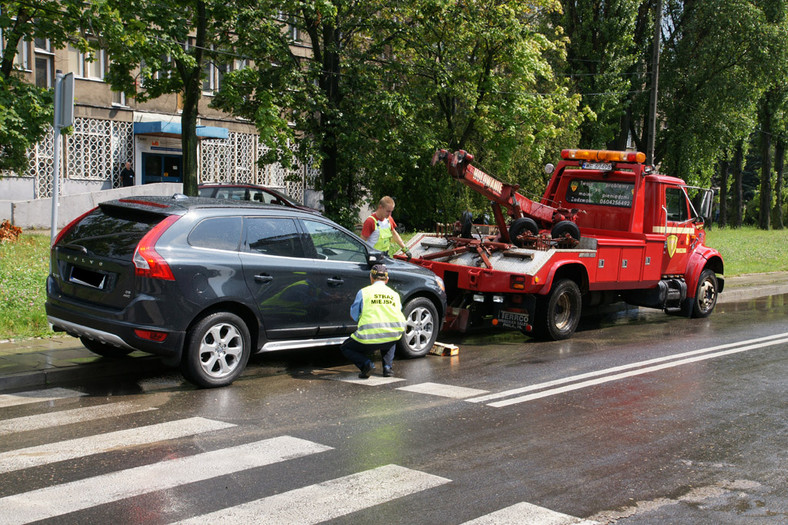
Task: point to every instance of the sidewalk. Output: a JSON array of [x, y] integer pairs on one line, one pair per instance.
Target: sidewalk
[[42, 363]]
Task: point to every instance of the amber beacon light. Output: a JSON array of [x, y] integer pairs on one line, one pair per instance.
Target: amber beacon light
[[599, 155]]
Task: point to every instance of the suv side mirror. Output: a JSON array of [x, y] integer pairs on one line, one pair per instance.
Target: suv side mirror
[[375, 257]]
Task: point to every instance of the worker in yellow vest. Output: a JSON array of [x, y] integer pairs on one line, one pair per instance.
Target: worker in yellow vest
[[378, 312], [379, 228]]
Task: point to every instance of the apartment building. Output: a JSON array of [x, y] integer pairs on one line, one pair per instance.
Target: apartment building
[[110, 129]]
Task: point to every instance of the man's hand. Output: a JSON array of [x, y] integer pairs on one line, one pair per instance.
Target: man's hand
[[408, 254]]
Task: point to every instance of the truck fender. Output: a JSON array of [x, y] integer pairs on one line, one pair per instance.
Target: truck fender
[[566, 270], [700, 260]]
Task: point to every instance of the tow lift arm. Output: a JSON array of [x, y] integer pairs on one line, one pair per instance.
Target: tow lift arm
[[506, 195]]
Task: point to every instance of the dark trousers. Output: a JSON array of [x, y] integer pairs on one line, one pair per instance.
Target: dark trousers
[[360, 354]]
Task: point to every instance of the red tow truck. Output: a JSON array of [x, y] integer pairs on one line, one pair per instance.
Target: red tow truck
[[608, 228]]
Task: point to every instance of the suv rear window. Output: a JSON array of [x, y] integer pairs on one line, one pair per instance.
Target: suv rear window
[[219, 233], [110, 232]]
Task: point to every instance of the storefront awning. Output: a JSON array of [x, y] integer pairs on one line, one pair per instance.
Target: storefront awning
[[161, 128]]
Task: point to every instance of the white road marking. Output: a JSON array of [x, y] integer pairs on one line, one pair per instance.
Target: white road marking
[[596, 373], [87, 446], [83, 494], [624, 375], [327, 500], [527, 513], [438, 389], [37, 396], [370, 381], [67, 417]]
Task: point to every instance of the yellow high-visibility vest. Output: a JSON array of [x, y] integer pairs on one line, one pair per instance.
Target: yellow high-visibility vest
[[381, 317]]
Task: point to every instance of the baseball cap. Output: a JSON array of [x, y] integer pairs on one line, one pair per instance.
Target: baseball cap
[[379, 271]]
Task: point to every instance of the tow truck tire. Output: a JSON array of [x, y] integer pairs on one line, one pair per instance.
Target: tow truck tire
[[560, 230], [421, 328], [705, 296], [520, 226], [558, 313]]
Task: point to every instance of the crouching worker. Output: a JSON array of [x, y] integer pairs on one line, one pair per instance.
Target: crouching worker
[[378, 312]]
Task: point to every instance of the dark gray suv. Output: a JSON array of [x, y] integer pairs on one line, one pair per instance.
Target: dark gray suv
[[204, 283]]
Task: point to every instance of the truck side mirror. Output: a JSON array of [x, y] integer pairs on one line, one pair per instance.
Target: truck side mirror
[[706, 204]]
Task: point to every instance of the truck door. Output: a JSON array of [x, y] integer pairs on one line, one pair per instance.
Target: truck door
[[679, 231]]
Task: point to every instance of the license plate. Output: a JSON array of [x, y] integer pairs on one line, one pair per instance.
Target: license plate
[[604, 166], [513, 319], [88, 278]]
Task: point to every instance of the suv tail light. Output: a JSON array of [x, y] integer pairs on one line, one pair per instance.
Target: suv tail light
[[147, 261]]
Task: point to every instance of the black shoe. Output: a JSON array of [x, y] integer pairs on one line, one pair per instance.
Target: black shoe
[[387, 371], [364, 374]]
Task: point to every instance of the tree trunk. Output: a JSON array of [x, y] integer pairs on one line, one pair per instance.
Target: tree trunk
[[779, 158], [335, 187], [765, 204], [738, 204], [724, 169], [192, 91]]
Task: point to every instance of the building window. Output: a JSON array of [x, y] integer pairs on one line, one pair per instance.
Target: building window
[[213, 76], [22, 60], [91, 65], [44, 63], [118, 98]]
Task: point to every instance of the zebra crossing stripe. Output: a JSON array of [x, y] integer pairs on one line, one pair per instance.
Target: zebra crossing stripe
[[327, 500], [83, 494], [80, 447], [438, 389], [37, 396], [527, 513], [67, 417]]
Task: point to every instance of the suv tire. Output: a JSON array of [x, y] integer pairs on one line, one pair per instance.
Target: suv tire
[[421, 327], [217, 350]]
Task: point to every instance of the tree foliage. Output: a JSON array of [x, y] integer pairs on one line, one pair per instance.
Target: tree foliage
[[163, 47], [26, 110]]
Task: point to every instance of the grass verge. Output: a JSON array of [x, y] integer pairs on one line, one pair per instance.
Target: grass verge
[[24, 265]]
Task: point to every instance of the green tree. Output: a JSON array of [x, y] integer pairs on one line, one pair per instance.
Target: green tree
[[712, 81], [167, 45], [607, 43], [387, 83], [26, 110]]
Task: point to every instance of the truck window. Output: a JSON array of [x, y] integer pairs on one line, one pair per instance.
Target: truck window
[[602, 193], [676, 203]]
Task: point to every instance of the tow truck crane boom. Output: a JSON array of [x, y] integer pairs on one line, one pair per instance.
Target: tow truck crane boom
[[526, 214]]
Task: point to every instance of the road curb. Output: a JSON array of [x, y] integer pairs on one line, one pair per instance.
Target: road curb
[[71, 374]]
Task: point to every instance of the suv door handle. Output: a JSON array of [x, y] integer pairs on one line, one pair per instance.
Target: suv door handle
[[263, 278], [335, 281]]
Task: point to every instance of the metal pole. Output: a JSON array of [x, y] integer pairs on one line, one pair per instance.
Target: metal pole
[[56, 162], [652, 131]]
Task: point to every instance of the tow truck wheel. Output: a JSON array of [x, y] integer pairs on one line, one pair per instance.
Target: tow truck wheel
[[558, 313], [520, 226], [705, 296], [421, 328], [560, 230]]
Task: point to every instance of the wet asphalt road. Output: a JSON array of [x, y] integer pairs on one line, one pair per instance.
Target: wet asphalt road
[[639, 418]]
